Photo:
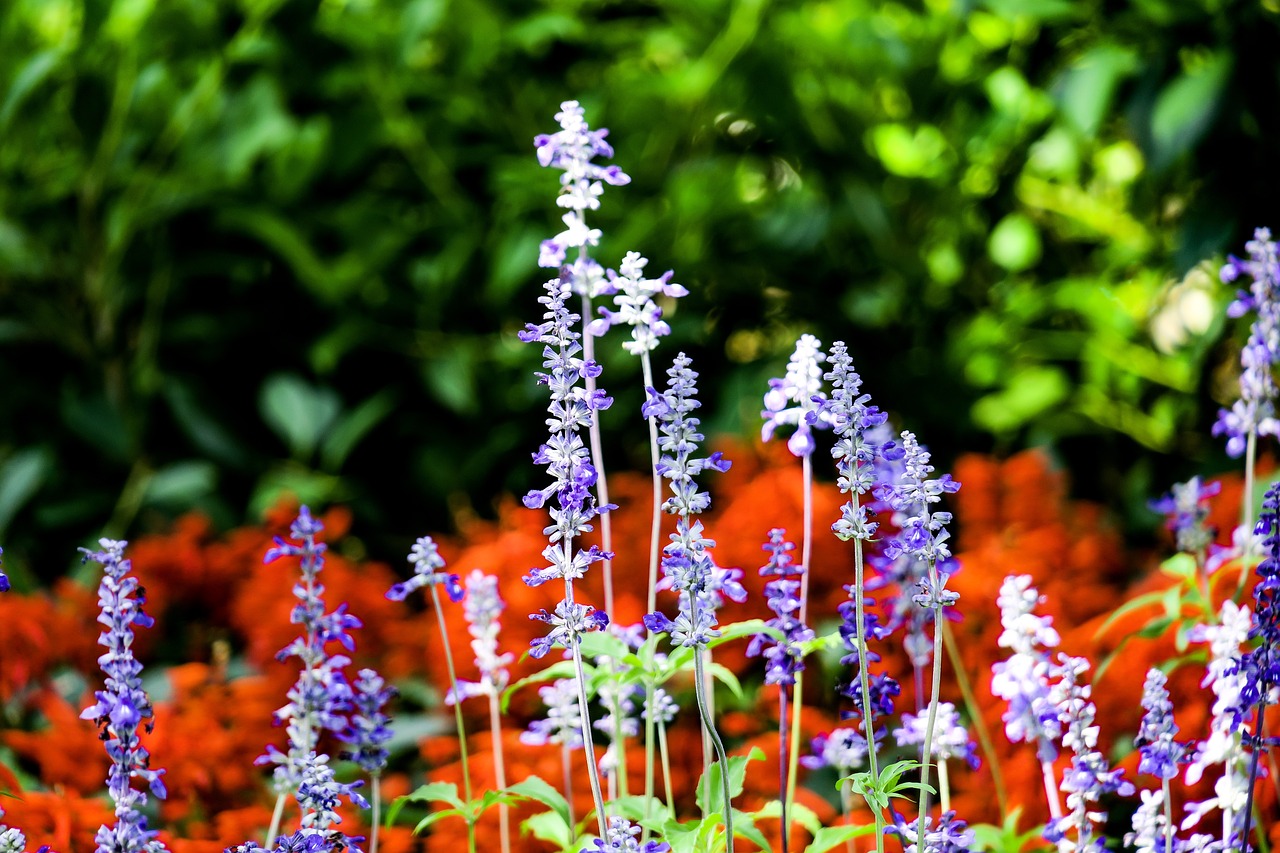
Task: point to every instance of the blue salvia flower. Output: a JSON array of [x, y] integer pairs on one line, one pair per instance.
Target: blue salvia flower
[[783, 656], [369, 728], [950, 737], [4, 583], [427, 565], [1187, 506], [663, 708], [1254, 412], [686, 565], [1161, 753], [321, 696], [636, 307], [618, 719], [844, 749], [1023, 680], [796, 399], [622, 839], [123, 707], [319, 795], [947, 835], [1261, 666], [1089, 777], [572, 149], [563, 722], [12, 839], [482, 609]]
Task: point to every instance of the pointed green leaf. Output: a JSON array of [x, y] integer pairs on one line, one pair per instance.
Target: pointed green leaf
[[538, 790], [831, 837]]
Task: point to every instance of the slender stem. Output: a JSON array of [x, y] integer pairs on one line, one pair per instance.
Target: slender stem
[[655, 529], [926, 748], [709, 725], [276, 816], [1051, 793], [864, 678], [457, 712], [708, 749], [1168, 815], [567, 766], [499, 771], [597, 461], [806, 555], [375, 818], [666, 767], [783, 775], [619, 738], [649, 703], [593, 771], [846, 811], [944, 785], [975, 713], [1246, 509], [1253, 773]]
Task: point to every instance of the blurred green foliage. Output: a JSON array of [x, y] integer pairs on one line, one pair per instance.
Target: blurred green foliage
[[264, 245]]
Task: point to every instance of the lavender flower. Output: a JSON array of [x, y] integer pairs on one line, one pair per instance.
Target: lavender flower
[[843, 749], [1261, 666], [427, 564], [1187, 506], [1023, 679], [319, 795], [621, 838], [1161, 754], [4, 587], [636, 308], [1254, 412], [948, 835], [950, 737], [563, 723], [369, 727], [784, 657], [619, 718], [572, 149], [1090, 777], [321, 696], [568, 623], [663, 709], [482, 609], [796, 399], [123, 706]]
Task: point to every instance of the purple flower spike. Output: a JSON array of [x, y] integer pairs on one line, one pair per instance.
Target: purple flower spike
[[123, 706], [784, 657], [1161, 754], [950, 737], [797, 399], [1187, 506], [622, 839], [369, 728], [563, 723], [636, 308], [427, 564], [482, 610], [4, 587]]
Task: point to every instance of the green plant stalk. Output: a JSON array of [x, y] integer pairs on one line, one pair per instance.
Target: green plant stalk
[[944, 785], [709, 726], [783, 790], [864, 679], [588, 744], [708, 690], [666, 766], [846, 809], [375, 819], [975, 713], [1246, 508], [1168, 815], [926, 749], [499, 772], [1253, 772], [648, 755], [566, 763], [806, 553], [457, 714], [655, 528]]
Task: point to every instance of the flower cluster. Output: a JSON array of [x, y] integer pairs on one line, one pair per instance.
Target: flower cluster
[[427, 571], [1023, 679], [123, 707], [844, 749], [4, 579], [482, 609], [856, 450], [783, 655], [1161, 753], [563, 722], [796, 399], [947, 835], [1254, 412], [369, 727], [950, 737], [572, 149], [636, 308], [1187, 508], [622, 839], [1261, 666]]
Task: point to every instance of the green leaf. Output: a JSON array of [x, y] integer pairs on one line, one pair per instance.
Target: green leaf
[[831, 837], [432, 792], [1015, 243], [181, 484], [34, 72], [603, 644], [548, 826], [683, 837], [537, 789], [726, 677], [745, 628], [352, 427], [20, 478], [298, 412], [559, 669], [744, 826], [1185, 108], [710, 797], [435, 816]]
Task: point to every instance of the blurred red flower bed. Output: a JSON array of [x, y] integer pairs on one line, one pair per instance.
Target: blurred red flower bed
[[222, 615]]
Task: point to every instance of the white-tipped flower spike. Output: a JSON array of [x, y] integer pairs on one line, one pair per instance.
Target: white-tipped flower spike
[[796, 399], [636, 308]]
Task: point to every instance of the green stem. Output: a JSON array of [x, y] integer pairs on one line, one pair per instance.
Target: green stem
[[926, 749], [806, 552], [975, 714], [375, 818], [666, 767], [457, 713], [710, 727], [1246, 509], [655, 527], [597, 459], [864, 679], [499, 771], [588, 743]]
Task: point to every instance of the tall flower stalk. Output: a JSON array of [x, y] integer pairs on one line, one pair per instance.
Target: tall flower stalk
[[572, 149], [925, 536], [320, 697], [122, 707], [482, 608], [851, 416], [428, 571], [796, 401], [368, 731], [688, 566], [568, 498], [1161, 753]]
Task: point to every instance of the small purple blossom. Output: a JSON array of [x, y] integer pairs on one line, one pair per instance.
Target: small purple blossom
[[1023, 679], [783, 657], [950, 737], [947, 835], [635, 303], [427, 565], [4, 587], [622, 839], [796, 399], [1161, 753], [1260, 667], [563, 722], [123, 706], [1187, 507], [663, 709], [568, 623], [844, 749], [369, 727], [482, 609]]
